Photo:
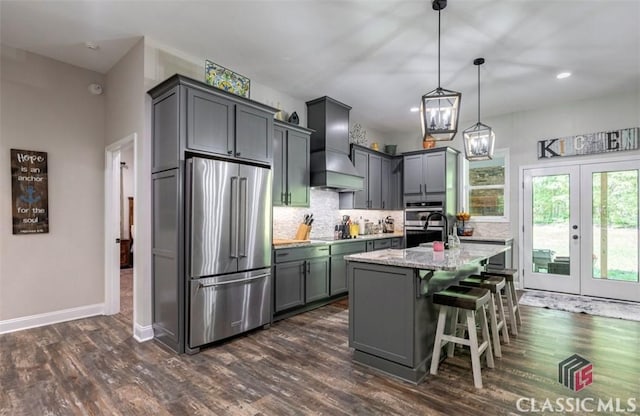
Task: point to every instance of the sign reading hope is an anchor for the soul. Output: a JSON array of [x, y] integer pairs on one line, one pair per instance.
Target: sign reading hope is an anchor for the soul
[[589, 144], [29, 192]]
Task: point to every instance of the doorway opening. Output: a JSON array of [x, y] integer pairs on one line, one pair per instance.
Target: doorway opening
[[120, 208]]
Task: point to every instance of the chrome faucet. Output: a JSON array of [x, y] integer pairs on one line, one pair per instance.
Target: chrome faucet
[[446, 226]]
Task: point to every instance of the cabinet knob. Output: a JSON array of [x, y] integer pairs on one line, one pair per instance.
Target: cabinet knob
[[237, 153], [229, 152]]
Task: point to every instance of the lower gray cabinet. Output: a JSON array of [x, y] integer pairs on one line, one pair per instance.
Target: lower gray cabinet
[[289, 279], [301, 276], [339, 264], [317, 279]]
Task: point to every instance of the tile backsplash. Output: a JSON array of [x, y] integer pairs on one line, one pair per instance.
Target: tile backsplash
[[326, 211]]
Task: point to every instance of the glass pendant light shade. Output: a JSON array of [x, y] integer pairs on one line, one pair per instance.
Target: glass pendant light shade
[[479, 139], [439, 110]]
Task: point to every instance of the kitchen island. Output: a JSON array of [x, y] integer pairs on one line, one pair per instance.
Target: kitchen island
[[392, 318]]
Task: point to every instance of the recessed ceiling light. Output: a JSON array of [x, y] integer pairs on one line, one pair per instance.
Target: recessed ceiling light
[[563, 75], [92, 45], [414, 109]]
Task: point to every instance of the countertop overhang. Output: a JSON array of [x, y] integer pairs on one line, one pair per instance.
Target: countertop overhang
[[424, 258]]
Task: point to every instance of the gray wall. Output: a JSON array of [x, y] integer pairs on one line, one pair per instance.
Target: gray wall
[[45, 106]]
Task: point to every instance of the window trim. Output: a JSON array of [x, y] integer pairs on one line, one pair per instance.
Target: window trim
[[503, 152]]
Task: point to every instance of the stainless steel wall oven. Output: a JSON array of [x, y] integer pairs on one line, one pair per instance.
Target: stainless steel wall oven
[[415, 218]]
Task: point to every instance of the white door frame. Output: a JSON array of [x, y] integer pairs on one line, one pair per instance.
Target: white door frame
[[532, 279], [562, 163], [112, 222], [616, 289]]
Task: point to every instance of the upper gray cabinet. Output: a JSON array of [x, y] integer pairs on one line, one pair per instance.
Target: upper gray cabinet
[[430, 172], [192, 116], [381, 181], [291, 155]]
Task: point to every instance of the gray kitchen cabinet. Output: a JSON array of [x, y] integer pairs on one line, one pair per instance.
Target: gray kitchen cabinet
[[433, 170], [317, 279], [430, 172], [210, 123], [192, 116], [253, 140], [338, 283], [413, 178], [395, 184], [375, 182], [361, 162], [301, 276], [291, 165], [167, 244], [288, 281], [166, 131], [385, 184], [397, 242], [375, 168]]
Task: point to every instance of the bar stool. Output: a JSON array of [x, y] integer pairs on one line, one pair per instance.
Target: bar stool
[[471, 300], [510, 293], [498, 322]]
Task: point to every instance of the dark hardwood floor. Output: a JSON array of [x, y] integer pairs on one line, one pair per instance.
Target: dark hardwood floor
[[301, 365]]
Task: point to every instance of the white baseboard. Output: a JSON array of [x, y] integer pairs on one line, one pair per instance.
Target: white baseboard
[[142, 333], [34, 321]]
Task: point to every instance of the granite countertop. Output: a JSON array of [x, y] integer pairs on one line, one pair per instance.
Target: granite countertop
[[426, 259], [503, 240], [329, 240]]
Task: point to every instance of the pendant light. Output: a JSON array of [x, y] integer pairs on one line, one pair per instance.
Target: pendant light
[[479, 139], [439, 109]]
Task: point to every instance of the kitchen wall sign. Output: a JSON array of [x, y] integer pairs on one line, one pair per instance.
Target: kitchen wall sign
[[590, 144], [29, 192]]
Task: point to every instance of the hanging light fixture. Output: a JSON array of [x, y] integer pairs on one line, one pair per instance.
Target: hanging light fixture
[[479, 138], [439, 108]]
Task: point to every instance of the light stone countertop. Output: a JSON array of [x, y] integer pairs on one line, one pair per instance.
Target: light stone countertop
[[503, 240], [329, 240], [425, 258]]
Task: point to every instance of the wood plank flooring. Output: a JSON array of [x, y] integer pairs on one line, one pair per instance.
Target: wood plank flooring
[[301, 365]]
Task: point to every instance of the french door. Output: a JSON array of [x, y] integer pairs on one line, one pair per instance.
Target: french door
[[581, 231]]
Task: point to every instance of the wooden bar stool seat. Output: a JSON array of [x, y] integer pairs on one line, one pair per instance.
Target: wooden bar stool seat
[[513, 309], [494, 284], [471, 300]]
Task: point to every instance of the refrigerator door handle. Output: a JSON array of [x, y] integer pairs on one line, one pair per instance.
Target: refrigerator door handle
[[228, 282], [234, 217], [242, 217]]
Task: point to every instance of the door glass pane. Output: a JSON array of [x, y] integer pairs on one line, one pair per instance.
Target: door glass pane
[[550, 228], [615, 225]]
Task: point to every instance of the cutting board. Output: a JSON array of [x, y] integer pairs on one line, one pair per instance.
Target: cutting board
[[285, 241]]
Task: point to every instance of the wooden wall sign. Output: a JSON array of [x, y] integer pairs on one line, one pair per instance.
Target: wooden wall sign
[[29, 192], [590, 144]]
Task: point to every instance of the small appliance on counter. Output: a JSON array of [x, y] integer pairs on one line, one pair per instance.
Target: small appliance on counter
[[388, 225]]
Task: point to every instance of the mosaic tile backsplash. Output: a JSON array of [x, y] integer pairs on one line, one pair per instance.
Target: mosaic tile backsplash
[[326, 211]]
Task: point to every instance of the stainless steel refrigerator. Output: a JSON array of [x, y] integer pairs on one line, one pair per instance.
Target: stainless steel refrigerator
[[229, 249]]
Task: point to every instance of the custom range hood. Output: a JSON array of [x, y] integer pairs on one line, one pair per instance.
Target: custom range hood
[[331, 167]]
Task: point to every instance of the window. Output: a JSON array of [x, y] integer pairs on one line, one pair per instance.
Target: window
[[487, 187]]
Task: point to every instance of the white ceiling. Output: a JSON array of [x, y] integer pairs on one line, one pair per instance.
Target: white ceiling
[[377, 56]]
